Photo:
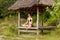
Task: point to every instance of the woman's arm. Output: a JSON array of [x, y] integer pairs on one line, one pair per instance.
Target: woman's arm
[[26, 22]]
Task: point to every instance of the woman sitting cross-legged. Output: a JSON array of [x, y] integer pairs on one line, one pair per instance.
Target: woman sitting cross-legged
[[29, 21]]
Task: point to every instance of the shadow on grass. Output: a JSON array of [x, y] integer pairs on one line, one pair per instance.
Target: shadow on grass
[[46, 32]]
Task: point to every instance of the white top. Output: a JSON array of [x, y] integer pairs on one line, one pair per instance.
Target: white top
[[29, 20]]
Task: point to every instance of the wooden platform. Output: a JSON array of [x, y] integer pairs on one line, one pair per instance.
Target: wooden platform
[[47, 27], [40, 28], [35, 29]]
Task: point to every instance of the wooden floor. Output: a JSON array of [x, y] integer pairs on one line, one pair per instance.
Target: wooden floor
[[40, 28]]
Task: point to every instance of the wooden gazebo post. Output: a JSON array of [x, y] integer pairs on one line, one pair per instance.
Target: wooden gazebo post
[[37, 17], [18, 21], [37, 20]]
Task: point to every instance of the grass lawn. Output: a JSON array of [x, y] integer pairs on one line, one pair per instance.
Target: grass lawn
[[8, 29], [33, 37], [40, 37]]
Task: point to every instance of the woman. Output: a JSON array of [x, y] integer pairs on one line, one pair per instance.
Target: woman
[[29, 21]]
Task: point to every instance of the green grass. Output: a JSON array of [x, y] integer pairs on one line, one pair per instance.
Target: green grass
[[8, 28]]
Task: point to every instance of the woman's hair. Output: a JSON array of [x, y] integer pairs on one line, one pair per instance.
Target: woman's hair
[[30, 14]]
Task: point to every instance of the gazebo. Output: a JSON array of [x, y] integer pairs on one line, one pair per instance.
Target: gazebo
[[27, 4]]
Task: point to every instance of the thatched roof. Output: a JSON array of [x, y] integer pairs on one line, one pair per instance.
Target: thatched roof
[[29, 3], [47, 2], [22, 4]]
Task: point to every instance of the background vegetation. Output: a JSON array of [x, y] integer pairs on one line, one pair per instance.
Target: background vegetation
[[8, 20]]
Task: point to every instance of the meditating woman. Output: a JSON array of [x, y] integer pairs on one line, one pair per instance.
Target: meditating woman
[[29, 21]]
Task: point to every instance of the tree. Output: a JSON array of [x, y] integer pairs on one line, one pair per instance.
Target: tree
[[55, 13], [4, 4]]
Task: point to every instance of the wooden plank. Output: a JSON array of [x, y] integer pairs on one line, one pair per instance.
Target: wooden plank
[[44, 27], [47, 27], [23, 29], [27, 30]]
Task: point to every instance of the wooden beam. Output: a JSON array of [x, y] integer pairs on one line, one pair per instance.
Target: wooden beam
[[37, 17], [18, 21], [42, 25], [37, 20], [42, 20]]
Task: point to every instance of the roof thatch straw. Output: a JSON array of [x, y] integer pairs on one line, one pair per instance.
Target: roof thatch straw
[[22, 4], [47, 2], [29, 3]]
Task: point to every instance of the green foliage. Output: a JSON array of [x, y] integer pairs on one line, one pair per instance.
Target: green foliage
[[46, 15], [4, 4], [10, 30], [58, 26], [34, 18], [8, 26], [54, 13]]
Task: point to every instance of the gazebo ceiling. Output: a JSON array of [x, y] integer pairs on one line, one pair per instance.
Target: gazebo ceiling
[[29, 3]]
